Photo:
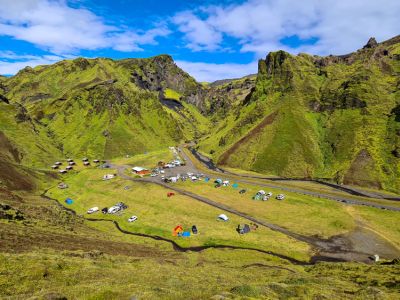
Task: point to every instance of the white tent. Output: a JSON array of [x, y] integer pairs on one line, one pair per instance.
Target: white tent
[[261, 192], [223, 217], [108, 176]]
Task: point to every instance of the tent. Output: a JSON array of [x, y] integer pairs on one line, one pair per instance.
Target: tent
[[169, 194], [235, 185], [223, 217], [69, 201], [177, 230], [219, 181], [225, 183], [207, 179], [186, 234], [243, 229], [242, 191]]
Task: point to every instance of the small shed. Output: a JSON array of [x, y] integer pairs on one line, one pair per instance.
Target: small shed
[[140, 171]]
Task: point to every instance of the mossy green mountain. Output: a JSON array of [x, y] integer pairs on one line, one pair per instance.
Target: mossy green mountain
[[335, 117]]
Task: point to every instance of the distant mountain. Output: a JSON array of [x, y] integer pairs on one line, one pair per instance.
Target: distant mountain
[[335, 117]]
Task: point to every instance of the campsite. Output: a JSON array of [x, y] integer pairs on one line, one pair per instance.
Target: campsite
[[159, 209]]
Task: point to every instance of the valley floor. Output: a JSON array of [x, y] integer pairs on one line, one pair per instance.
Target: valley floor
[[303, 247]]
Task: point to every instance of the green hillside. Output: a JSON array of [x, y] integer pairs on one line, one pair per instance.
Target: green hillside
[[333, 117], [101, 107]]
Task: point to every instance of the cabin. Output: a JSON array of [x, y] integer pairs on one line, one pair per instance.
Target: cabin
[[86, 163], [96, 161], [62, 171], [140, 171], [71, 163], [69, 168], [54, 167]]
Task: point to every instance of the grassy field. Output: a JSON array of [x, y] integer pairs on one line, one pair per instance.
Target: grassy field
[[158, 214], [301, 214], [147, 160]]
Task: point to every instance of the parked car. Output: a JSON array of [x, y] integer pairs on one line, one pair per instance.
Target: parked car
[[113, 209], [121, 205], [280, 197], [132, 219], [93, 210]]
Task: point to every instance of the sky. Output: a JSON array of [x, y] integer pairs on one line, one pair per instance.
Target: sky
[[209, 39]]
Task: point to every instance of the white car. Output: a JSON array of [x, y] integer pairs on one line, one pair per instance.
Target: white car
[[113, 209], [280, 197], [93, 210], [132, 219]]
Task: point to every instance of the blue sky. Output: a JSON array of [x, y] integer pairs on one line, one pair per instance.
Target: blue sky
[[209, 39]]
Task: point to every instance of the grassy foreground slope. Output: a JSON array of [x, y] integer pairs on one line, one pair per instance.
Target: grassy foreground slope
[[319, 117]]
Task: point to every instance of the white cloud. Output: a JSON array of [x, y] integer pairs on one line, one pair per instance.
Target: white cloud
[[208, 72], [341, 26], [59, 28], [11, 63], [201, 35]]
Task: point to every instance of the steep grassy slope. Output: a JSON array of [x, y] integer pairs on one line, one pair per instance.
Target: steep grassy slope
[[326, 117], [106, 108]]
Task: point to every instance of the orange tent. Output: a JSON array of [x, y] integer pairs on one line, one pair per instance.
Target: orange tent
[[177, 230]]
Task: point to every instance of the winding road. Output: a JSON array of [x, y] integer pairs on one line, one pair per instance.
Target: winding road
[[345, 200]]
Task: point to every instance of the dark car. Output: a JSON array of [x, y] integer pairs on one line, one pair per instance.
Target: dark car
[[242, 191], [194, 229], [104, 210]]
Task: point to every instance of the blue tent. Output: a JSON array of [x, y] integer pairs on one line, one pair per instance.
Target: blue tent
[[186, 233], [69, 201], [206, 179], [235, 185]]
